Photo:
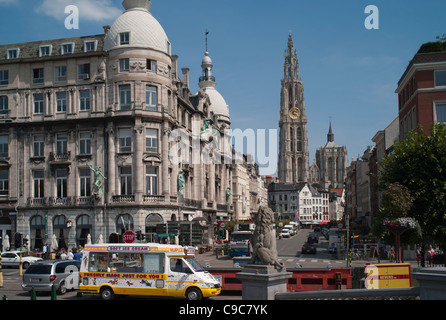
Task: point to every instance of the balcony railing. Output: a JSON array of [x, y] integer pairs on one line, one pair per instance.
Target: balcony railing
[[153, 199], [128, 198], [60, 201], [60, 156]]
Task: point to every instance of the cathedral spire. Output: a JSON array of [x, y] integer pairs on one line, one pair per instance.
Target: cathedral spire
[[330, 135]]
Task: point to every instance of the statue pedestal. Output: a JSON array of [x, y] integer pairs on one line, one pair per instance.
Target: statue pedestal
[[262, 282]]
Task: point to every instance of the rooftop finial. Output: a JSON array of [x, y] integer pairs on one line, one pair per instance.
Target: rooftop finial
[[137, 4]]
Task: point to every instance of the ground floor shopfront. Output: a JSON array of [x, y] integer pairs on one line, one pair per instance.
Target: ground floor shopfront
[[65, 227]]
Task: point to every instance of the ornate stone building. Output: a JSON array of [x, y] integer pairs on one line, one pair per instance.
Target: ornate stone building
[[74, 111], [293, 164]]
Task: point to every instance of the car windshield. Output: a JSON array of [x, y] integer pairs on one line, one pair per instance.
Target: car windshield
[[38, 269], [194, 264], [240, 237]]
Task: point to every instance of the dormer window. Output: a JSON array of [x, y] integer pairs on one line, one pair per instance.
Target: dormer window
[[90, 45], [67, 48], [13, 53], [124, 38], [45, 51]]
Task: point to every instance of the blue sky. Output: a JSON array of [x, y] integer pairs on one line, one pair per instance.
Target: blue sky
[[349, 73]]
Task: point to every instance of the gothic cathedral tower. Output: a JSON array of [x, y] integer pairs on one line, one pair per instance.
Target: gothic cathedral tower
[[293, 139]]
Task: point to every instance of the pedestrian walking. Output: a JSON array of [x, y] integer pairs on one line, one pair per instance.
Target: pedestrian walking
[[63, 255], [418, 255], [430, 256], [45, 251]]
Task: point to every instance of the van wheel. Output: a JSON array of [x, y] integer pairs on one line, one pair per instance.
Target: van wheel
[[107, 293], [62, 288], [193, 294]]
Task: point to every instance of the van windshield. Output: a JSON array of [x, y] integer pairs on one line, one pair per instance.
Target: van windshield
[[194, 264], [240, 237]]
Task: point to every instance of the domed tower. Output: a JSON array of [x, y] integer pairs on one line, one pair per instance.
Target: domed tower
[[207, 83], [139, 60], [140, 103]]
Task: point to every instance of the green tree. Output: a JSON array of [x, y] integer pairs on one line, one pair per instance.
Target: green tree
[[419, 164], [396, 203]]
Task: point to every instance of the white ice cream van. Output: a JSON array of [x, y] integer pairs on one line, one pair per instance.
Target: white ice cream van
[[144, 269]]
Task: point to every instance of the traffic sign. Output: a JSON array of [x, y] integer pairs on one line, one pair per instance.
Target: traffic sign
[[129, 236], [222, 224], [340, 225]]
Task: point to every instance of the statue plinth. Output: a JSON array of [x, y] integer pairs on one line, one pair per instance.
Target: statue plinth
[[262, 282]]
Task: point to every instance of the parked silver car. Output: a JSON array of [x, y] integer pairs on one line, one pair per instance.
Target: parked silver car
[[41, 276]]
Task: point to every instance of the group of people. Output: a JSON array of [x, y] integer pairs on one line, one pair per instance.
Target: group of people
[[72, 254], [429, 255]]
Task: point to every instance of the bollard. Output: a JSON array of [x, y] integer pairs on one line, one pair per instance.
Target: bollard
[[53, 292], [33, 294]]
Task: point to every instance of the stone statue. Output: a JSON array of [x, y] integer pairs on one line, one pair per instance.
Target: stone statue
[[204, 128], [264, 240], [181, 183], [97, 177], [228, 195]]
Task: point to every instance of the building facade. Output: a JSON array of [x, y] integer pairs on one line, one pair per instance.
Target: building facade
[[293, 166], [97, 136], [422, 92]]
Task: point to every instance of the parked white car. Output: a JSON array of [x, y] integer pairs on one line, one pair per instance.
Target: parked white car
[[12, 259]]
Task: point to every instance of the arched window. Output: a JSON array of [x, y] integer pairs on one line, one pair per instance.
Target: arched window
[[124, 223], [61, 231], [83, 229], [37, 226], [299, 139], [152, 221], [330, 169], [300, 169]]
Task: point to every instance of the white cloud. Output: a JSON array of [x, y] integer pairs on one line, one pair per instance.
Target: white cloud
[[90, 10]]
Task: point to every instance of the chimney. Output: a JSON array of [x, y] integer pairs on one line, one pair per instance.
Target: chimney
[[185, 77], [175, 66]]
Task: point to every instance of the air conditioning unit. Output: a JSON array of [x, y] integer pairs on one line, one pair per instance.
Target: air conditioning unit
[[86, 76]]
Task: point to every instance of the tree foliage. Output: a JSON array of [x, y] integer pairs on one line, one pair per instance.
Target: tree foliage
[[396, 203], [419, 164]]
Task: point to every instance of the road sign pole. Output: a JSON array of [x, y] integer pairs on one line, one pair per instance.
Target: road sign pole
[[347, 226]]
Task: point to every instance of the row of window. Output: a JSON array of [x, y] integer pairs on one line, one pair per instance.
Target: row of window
[[125, 38], [47, 50], [125, 100], [125, 97], [84, 143], [61, 101], [85, 182], [124, 65]]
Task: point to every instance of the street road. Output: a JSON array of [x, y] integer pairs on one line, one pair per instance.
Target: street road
[[289, 252]]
